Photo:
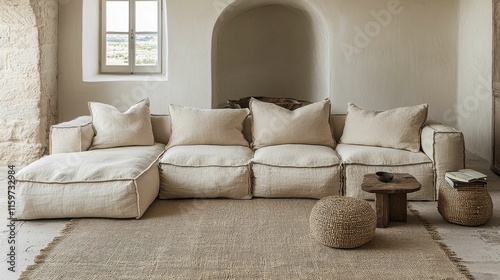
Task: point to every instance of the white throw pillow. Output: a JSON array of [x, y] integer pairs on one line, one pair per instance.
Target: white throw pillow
[[275, 125], [193, 126], [397, 128], [116, 129]]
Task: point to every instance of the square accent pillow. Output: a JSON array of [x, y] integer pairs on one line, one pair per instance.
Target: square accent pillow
[[397, 128], [193, 126], [275, 125], [116, 129]]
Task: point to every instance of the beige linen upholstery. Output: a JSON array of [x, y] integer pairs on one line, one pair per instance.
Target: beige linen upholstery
[[359, 160], [161, 128], [193, 126], [72, 136], [337, 122], [294, 170], [112, 183], [205, 171], [275, 125], [445, 147], [116, 129], [397, 128], [76, 135]]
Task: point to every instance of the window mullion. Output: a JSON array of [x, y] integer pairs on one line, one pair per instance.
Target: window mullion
[[102, 60], [159, 32], [132, 35]]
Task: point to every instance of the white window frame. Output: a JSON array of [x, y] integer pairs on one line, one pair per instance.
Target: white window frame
[[131, 68]]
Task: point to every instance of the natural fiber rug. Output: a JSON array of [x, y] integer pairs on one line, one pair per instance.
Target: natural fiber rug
[[234, 239]]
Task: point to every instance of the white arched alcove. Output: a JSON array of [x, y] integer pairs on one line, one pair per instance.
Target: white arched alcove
[[276, 48]]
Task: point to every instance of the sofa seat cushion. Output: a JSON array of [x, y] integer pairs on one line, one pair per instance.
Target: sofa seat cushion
[[360, 160], [369, 155], [205, 171], [112, 183], [294, 170], [294, 155]]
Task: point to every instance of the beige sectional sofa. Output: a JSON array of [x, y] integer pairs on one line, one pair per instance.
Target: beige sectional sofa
[[122, 182]]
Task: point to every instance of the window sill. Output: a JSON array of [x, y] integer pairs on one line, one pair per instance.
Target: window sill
[[95, 78]]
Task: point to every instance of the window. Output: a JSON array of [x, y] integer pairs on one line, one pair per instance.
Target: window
[[131, 36]]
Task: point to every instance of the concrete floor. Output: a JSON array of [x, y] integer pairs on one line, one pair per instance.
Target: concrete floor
[[479, 247], [30, 237]]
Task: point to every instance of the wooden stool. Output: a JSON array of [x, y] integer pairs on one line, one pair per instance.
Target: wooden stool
[[390, 198]]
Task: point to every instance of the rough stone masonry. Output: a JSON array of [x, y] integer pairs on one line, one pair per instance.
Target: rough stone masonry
[[28, 78]]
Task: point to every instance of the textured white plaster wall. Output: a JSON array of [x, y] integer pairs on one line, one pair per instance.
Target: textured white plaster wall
[[394, 53], [382, 54], [266, 51], [472, 111], [28, 83], [278, 49]]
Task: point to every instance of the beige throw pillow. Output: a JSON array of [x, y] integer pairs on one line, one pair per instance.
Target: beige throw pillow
[[116, 129], [193, 126], [397, 128], [275, 125]]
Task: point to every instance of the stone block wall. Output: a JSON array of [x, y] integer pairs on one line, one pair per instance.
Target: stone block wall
[[28, 78]]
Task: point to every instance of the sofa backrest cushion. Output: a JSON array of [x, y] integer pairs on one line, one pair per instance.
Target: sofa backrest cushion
[[275, 125], [118, 129], [398, 128], [194, 126], [77, 135], [161, 127], [337, 122]]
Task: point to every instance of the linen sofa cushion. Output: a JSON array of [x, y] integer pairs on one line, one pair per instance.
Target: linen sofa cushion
[[337, 121], [397, 128], [112, 183], [296, 170], [193, 126], [73, 136], [161, 128], [359, 160], [116, 129], [205, 171], [275, 125]]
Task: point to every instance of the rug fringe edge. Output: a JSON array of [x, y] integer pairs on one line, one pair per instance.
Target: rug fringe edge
[[42, 255], [432, 230]]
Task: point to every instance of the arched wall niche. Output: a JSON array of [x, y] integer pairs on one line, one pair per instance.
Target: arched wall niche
[[277, 48]]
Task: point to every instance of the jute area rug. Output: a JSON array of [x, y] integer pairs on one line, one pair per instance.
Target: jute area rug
[[234, 239]]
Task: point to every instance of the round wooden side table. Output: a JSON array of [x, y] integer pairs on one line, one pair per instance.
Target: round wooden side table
[[464, 207]]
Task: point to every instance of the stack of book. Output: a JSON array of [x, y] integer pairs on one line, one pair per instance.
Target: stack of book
[[466, 179]]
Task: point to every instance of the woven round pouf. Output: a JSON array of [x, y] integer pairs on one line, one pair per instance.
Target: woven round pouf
[[342, 222], [467, 207]]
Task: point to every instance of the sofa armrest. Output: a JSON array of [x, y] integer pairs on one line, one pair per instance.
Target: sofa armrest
[[445, 146], [73, 136]]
